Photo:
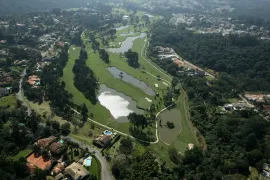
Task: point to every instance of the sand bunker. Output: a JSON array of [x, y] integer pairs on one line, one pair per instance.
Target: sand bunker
[[74, 48], [156, 85], [165, 83], [117, 105], [147, 99]]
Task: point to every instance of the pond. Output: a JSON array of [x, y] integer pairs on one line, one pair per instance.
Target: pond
[[117, 73], [126, 45], [127, 34], [119, 105], [121, 28]]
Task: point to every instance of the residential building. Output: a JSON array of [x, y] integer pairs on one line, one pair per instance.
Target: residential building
[[76, 171], [102, 141]]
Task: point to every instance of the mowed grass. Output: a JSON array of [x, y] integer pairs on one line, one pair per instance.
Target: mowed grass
[[22, 154], [183, 133], [8, 101], [101, 114], [166, 134], [95, 168]]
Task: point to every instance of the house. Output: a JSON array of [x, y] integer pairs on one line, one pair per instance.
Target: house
[[59, 168], [260, 101], [45, 142], [33, 80], [60, 44], [102, 141], [34, 162], [76, 171], [59, 176], [199, 72], [56, 148], [4, 92]]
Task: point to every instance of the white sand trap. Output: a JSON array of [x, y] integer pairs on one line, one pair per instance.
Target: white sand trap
[[74, 48], [156, 85], [117, 105], [120, 43], [147, 99], [165, 83], [190, 146]]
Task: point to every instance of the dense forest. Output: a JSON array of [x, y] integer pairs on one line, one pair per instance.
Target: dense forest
[[84, 79], [234, 141], [244, 57]]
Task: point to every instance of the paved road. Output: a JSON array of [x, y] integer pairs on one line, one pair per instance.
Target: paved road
[[143, 56], [19, 95], [105, 169]]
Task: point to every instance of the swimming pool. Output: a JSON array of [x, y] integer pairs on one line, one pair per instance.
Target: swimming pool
[[88, 161], [107, 132]]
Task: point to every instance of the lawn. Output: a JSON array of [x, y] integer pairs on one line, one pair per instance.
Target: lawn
[[8, 102], [95, 168], [183, 133], [22, 154], [44, 109]]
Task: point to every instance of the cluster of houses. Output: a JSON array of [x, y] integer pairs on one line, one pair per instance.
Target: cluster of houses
[[238, 106], [169, 53], [54, 161], [262, 101]]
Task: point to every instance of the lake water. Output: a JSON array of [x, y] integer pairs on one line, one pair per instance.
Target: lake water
[[121, 28], [127, 34], [127, 44], [132, 80], [119, 105]]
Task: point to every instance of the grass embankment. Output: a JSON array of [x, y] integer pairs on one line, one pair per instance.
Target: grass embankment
[[9, 102]]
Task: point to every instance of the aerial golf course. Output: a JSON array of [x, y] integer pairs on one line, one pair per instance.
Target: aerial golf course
[[118, 97]]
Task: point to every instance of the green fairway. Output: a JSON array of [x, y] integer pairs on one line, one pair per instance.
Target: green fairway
[[166, 134], [183, 133]]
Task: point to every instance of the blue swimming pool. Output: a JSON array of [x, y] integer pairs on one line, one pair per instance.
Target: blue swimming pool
[[107, 132], [88, 161]]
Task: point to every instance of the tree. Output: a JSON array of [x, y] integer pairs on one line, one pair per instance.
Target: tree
[[45, 153], [103, 54], [174, 156], [174, 82], [132, 58], [84, 112], [65, 128], [170, 124], [137, 120], [126, 146]]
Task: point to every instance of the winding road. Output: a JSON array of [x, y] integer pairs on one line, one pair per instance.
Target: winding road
[[19, 95]]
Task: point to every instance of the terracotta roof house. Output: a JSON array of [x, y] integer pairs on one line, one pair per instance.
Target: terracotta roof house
[[33, 80], [102, 141], [39, 162], [46, 141], [76, 171]]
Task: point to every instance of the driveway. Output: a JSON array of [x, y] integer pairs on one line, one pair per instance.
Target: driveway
[[105, 168]]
